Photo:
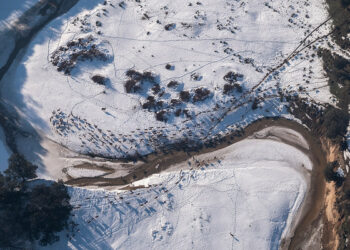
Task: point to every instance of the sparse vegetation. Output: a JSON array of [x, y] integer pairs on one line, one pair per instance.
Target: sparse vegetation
[[233, 77], [332, 175], [137, 80], [185, 96], [169, 66], [229, 88], [170, 26], [30, 212], [173, 84], [131, 86], [255, 104], [338, 71], [156, 89], [339, 9], [335, 122], [200, 94], [66, 57], [161, 116], [101, 80]]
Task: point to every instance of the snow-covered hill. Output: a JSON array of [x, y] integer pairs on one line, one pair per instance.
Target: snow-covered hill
[[5, 152], [119, 78], [122, 78], [12, 10], [246, 196]]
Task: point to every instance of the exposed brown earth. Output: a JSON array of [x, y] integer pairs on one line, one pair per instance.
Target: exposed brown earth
[[319, 228], [332, 220], [157, 162], [319, 204]]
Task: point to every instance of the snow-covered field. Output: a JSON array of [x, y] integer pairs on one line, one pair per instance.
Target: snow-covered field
[[245, 196], [81, 172], [120, 78], [9, 13], [5, 152], [12, 9], [198, 66]]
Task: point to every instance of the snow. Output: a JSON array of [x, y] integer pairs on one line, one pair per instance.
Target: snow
[[210, 39], [285, 133], [5, 152], [81, 172], [248, 197], [11, 10], [9, 13]]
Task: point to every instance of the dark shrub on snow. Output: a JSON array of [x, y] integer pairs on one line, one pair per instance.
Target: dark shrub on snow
[[185, 96], [101, 80]]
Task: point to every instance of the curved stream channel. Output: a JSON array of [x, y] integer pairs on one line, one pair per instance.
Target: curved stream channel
[[156, 163]]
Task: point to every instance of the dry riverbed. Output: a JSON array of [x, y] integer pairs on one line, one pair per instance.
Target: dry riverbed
[[308, 228]]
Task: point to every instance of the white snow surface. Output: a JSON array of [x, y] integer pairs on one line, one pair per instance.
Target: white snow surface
[[208, 40], [245, 198], [11, 9], [5, 152], [284, 133], [9, 13], [82, 172]]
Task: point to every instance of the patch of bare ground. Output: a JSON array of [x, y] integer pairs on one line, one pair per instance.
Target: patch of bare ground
[[336, 232], [319, 227], [309, 224], [331, 216], [160, 161]]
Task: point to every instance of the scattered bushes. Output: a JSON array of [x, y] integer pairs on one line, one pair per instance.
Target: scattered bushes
[[170, 26], [156, 89], [340, 12], [335, 122], [228, 88], [131, 86], [161, 116], [178, 112], [196, 77], [169, 67], [20, 170], [101, 80], [137, 79], [152, 104], [173, 84], [66, 57], [122, 5], [338, 71], [255, 104], [30, 212], [46, 212], [185, 96], [200, 94], [233, 77], [332, 175], [175, 102], [345, 3]]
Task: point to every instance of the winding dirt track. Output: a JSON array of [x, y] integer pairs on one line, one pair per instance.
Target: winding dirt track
[[313, 204]]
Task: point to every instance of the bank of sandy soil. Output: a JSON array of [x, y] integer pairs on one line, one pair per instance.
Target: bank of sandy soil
[[331, 216], [312, 209]]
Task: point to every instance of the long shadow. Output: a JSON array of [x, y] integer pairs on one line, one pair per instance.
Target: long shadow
[[20, 135]]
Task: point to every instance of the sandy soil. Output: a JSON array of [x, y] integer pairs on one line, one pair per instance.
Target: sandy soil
[[307, 226], [157, 162], [320, 230], [331, 216]]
